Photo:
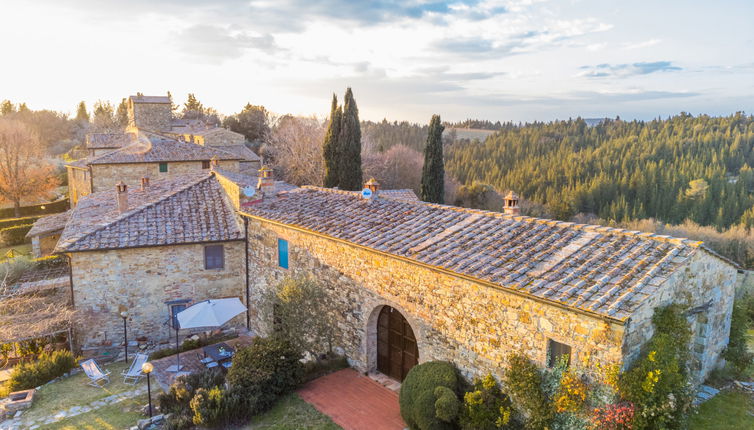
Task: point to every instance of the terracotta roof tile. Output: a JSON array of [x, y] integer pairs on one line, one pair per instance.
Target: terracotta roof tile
[[49, 224], [108, 140], [601, 270], [158, 149], [182, 209]]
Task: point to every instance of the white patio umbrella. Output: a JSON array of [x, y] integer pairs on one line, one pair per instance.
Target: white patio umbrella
[[209, 313]]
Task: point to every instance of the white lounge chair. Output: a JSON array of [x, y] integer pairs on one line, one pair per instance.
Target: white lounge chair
[[97, 378], [134, 373]]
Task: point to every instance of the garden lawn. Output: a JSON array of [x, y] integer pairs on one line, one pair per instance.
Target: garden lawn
[[74, 391], [122, 415], [292, 413], [727, 411], [23, 249]]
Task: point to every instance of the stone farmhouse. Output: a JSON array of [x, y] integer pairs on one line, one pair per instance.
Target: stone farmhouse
[[406, 281]]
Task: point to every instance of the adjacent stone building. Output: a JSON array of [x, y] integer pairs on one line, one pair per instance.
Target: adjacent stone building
[[45, 232], [152, 113], [151, 250], [411, 282]]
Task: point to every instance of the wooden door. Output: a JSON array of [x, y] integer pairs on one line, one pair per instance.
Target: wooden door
[[397, 351]]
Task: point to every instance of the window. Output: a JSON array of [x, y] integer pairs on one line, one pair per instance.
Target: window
[[175, 308], [283, 253], [205, 164], [214, 257], [557, 351], [163, 167]]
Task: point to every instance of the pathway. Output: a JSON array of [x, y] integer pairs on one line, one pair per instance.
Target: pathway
[[354, 401], [21, 423]]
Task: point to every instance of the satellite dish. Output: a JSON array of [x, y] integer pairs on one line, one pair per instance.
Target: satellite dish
[[366, 193], [249, 191]]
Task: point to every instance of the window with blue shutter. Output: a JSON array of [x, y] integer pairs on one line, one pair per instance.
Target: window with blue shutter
[[163, 167], [214, 257], [283, 253], [174, 310]]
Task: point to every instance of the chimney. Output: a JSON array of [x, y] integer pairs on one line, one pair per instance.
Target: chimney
[[121, 192], [510, 204], [266, 183], [373, 186], [144, 183]]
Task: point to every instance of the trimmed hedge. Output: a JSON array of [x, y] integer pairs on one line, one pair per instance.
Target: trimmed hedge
[[12, 222], [46, 368], [16, 235], [49, 208], [424, 404]]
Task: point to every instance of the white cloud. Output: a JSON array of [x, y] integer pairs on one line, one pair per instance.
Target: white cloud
[[639, 45]]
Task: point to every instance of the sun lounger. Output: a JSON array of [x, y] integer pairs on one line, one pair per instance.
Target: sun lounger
[[97, 378], [134, 373]]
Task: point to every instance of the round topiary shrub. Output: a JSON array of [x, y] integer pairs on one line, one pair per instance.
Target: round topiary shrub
[[429, 396]]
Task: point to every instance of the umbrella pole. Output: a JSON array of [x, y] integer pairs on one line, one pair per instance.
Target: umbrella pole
[[178, 351]]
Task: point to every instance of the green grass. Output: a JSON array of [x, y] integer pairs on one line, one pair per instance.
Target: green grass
[[292, 413], [24, 248], [122, 415], [726, 411], [74, 391]]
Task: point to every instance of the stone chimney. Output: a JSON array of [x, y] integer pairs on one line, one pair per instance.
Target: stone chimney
[[266, 183], [144, 183], [373, 186], [510, 204], [121, 192]]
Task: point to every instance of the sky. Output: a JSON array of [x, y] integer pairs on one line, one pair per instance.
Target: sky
[[506, 60]]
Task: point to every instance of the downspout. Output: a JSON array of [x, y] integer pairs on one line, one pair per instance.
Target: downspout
[[246, 252], [70, 278]]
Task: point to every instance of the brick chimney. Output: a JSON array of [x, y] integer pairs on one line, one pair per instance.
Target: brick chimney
[[266, 183], [373, 186], [121, 193], [510, 204], [144, 183]]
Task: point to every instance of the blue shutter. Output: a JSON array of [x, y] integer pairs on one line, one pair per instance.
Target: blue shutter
[[174, 311], [283, 253]]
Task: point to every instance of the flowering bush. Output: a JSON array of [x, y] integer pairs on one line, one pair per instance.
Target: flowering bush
[[525, 384], [571, 395], [486, 407], [617, 416]]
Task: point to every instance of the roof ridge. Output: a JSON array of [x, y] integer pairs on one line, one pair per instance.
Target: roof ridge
[[134, 211], [586, 227]]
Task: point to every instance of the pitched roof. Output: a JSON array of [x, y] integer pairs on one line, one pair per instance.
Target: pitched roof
[[244, 153], [595, 269], [158, 149], [243, 180], [405, 195], [183, 209], [149, 99], [49, 224], [108, 140]]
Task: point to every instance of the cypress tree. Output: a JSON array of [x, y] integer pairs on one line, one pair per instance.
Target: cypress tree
[[81, 114], [349, 146], [433, 171], [330, 145]]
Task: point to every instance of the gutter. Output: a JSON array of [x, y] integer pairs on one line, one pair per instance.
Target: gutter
[[442, 270], [246, 253]]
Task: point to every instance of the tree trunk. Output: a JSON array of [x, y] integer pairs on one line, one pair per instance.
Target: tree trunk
[[17, 208]]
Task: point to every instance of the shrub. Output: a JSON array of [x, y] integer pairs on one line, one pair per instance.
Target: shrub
[[14, 235], [265, 370], [189, 344], [486, 407], [737, 352], [618, 416], [46, 368], [177, 401], [571, 394], [208, 406], [524, 383], [657, 383], [49, 262], [423, 405], [10, 222]]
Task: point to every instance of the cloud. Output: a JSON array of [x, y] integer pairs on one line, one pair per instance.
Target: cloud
[[606, 70], [639, 45], [214, 43]]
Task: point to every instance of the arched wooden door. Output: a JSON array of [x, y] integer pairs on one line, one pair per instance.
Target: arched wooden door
[[397, 351]]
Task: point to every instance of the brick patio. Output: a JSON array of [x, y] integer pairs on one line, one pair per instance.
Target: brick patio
[[354, 401], [189, 362]]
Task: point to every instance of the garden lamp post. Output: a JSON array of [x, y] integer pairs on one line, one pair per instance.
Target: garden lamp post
[[147, 369], [124, 315]]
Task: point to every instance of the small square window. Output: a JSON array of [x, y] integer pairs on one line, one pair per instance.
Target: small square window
[[214, 257], [556, 352], [283, 253], [205, 164], [163, 167]]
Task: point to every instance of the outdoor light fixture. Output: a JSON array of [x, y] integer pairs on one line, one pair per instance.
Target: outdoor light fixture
[[147, 369], [124, 315]]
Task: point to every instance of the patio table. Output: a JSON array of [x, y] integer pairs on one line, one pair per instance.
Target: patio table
[[219, 352]]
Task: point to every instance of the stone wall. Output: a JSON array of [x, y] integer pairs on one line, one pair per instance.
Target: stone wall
[[220, 137], [706, 287], [149, 116], [107, 175], [79, 184], [141, 280], [473, 325]]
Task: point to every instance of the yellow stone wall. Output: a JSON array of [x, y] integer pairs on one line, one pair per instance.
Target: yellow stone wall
[[79, 184], [149, 116], [107, 175], [141, 280]]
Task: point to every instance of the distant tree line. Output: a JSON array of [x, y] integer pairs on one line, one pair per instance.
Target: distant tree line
[[476, 123]]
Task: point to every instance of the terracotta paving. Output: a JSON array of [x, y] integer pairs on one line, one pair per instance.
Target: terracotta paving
[[354, 401]]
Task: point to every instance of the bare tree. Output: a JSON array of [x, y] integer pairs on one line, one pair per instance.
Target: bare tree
[[397, 168], [294, 149], [23, 171]]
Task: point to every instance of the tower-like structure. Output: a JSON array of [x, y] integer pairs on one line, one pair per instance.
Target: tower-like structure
[[149, 113]]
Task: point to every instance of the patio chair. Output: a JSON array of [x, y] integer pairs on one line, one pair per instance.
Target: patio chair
[[97, 378], [134, 373], [211, 364]]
